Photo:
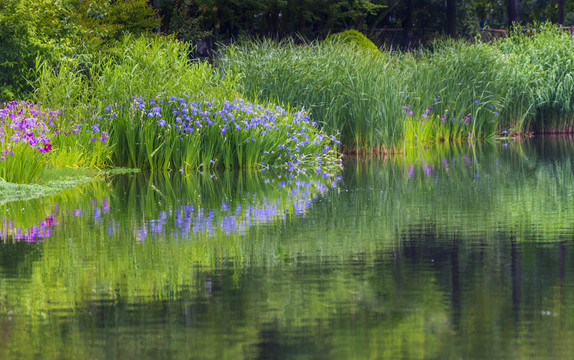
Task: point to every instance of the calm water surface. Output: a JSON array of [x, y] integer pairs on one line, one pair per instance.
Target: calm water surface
[[455, 253]]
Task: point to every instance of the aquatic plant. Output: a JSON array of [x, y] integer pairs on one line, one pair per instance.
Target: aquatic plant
[[451, 125], [29, 137], [185, 134], [527, 80]]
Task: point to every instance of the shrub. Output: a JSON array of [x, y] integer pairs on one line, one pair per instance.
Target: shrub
[[356, 40], [100, 21], [29, 29]]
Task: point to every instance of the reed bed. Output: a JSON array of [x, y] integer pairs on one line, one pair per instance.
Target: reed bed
[[345, 90], [371, 102], [455, 91]]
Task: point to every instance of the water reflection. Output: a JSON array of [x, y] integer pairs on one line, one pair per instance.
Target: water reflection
[[461, 252], [274, 199]]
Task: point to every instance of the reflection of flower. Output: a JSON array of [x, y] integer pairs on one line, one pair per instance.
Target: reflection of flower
[[32, 234], [188, 219]]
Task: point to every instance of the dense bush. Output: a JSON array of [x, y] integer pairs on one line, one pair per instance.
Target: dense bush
[[100, 21]]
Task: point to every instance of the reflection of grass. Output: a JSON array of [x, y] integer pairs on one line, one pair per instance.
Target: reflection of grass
[[180, 223], [464, 190]]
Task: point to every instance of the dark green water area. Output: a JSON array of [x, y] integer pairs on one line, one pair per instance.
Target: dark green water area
[[462, 252]]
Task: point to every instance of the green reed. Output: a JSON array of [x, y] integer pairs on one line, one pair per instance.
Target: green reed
[[345, 89], [510, 87], [546, 59]]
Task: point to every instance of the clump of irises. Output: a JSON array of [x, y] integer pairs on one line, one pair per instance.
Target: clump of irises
[[29, 134], [431, 125], [185, 135]]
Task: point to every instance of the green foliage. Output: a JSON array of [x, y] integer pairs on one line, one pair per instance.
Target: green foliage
[[100, 21], [54, 29], [177, 134], [356, 40], [29, 29], [220, 19]]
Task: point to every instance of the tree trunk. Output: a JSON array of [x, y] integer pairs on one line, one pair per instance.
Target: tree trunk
[[561, 12], [407, 26], [451, 18], [384, 12], [513, 13]]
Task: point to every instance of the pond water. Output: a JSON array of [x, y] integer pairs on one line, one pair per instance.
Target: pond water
[[458, 252]]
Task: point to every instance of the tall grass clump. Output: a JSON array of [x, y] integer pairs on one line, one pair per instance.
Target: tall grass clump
[[135, 66], [172, 133], [544, 58], [345, 89], [145, 66], [452, 93]]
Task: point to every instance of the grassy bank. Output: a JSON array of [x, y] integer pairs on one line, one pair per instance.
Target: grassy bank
[[143, 103]]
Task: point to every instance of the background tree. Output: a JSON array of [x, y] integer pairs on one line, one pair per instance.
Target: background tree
[[513, 12]]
